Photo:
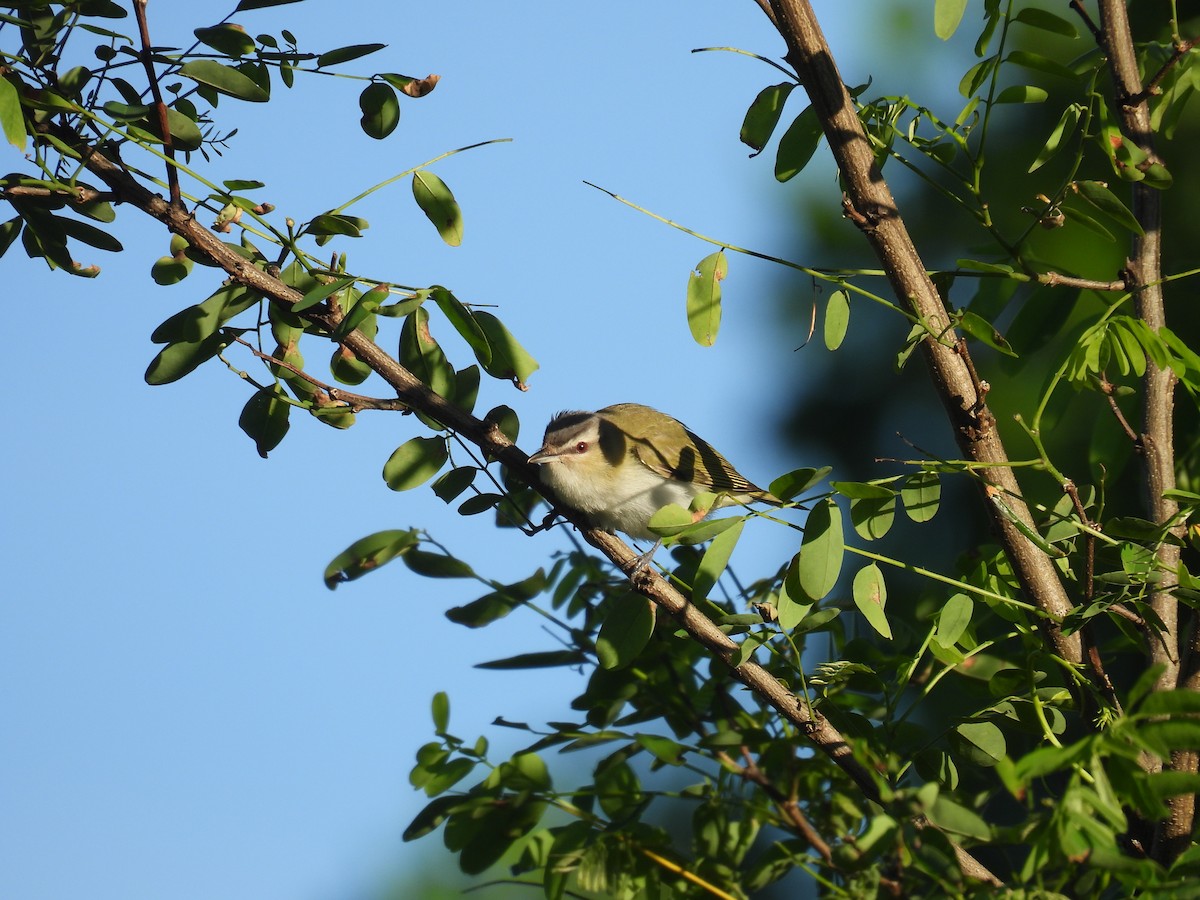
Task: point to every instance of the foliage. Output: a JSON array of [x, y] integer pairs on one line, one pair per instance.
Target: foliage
[[1030, 718]]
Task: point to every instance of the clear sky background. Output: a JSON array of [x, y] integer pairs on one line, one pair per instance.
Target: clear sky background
[[187, 712]]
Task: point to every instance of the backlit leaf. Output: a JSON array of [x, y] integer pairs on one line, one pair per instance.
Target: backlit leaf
[[704, 298], [439, 205], [264, 418], [870, 596], [837, 319], [947, 14], [367, 554], [380, 110], [763, 115], [225, 80], [797, 145]]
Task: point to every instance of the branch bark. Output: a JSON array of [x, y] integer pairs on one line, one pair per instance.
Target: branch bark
[[1157, 439], [872, 207]]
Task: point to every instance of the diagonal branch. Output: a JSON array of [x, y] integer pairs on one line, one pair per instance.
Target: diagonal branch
[[413, 393], [870, 205]]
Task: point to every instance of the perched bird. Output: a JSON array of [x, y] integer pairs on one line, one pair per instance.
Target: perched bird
[[620, 465]]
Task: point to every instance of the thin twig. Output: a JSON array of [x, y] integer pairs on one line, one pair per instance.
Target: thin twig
[[356, 402], [1108, 389], [1055, 279], [1151, 89], [78, 194], [1087, 20], [147, 56]]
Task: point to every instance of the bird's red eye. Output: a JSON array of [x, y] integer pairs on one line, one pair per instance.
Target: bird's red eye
[[581, 447]]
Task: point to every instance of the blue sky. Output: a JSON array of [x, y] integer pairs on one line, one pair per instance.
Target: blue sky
[[188, 712]]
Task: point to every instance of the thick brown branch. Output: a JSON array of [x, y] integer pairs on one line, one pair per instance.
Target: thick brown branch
[[76, 195], [1144, 275], [873, 208]]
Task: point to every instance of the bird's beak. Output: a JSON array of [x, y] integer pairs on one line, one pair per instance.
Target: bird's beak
[[543, 456]]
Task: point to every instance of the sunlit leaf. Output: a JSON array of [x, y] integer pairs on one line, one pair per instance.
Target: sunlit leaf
[[946, 16], [870, 596], [224, 79], [704, 298], [439, 205], [837, 319]]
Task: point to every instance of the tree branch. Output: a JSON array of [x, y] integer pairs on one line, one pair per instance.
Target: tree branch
[[411, 392], [160, 108], [873, 209], [1144, 276]]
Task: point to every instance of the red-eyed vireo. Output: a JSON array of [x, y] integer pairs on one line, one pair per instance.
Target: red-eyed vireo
[[622, 464]]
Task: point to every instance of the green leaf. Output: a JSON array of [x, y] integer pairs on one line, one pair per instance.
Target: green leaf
[[421, 354], [872, 517], [345, 54], [763, 115], [228, 39], [953, 620], [1039, 63], [983, 742], [380, 110], [627, 627], [319, 293], [225, 80], [264, 418], [820, 560], [1166, 703], [861, 490], [1099, 196], [946, 16], [791, 604], [704, 298], [983, 331], [197, 322], [441, 712], [464, 322], [367, 554], [169, 270], [870, 596], [499, 603], [414, 462], [436, 812], [922, 495], [328, 224], [89, 234], [1045, 21], [796, 482], [437, 565], [544, 659], [837, 319], [664, 749], [176, 360], [509, 360], [1022, 93], [454, 482], [797, 145], [715, 561], [949, 816], [12, 120], [1067, 123], [439, 205]]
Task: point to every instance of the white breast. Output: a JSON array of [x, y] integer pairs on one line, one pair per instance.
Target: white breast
[[618, 504]]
